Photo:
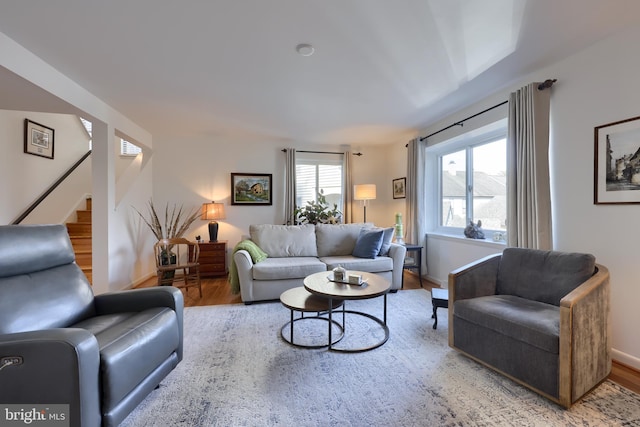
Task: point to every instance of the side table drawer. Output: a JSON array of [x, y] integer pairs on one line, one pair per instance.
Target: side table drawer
[[213, 258]]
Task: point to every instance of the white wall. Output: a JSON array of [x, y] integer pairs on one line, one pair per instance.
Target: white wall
[[24, 177], [596, 86], [197, 170], [51, 91]]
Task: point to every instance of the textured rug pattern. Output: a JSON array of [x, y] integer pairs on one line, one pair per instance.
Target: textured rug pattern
[[237, 371]]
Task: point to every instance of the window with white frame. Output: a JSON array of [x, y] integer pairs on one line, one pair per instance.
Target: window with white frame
[[472, 181], [128, 149], [319, 172]]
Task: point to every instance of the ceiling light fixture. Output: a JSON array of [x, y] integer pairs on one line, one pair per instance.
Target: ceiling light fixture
[[305, 49]]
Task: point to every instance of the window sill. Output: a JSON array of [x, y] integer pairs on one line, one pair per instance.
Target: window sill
[[465, 240]]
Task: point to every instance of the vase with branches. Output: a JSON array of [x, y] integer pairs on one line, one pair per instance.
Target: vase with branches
[[176, 223]]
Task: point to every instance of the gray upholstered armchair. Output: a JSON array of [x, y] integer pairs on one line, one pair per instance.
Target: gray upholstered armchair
[[101, 354], [539, 317]]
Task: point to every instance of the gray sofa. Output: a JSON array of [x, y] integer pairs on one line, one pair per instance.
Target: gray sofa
[[539, 317], [101, 355], [296, 251]]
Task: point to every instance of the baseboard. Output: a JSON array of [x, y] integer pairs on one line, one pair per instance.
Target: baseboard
[[140, 281], [626, 359], [436, 281]]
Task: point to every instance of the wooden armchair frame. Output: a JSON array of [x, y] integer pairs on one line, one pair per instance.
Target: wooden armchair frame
[[185, 271], [584, 359]]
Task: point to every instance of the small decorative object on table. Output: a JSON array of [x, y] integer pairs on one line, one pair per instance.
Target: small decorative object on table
[[339, 274], [399, 232], [474, 231]]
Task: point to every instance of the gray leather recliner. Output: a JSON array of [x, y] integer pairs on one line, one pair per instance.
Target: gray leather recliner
[[100, 354]]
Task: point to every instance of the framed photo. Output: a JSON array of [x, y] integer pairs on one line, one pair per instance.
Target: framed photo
[[252, 189], [38, 139], [617, 162], [399, 188]]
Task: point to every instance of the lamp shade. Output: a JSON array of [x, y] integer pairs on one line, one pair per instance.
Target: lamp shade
[[212, 211], [364, 192]]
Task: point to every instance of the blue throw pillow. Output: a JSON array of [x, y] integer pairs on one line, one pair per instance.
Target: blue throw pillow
[[386, 241], [368, 243]]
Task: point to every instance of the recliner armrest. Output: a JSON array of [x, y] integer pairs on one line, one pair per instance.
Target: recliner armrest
[[58, 366], [141, 299]]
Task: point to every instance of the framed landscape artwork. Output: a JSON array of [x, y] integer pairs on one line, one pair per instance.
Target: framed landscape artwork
[[38, 139], [251, 189], [617, 162], [399, 188]]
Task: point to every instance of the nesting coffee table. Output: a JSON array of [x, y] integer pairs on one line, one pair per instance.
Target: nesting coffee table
[[322, 285]]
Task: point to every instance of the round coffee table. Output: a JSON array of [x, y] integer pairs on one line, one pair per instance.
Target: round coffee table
[[299, 299], [322, 284]]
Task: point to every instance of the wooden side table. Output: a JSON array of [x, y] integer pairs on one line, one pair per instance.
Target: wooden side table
[[417, 260], [213, 258]]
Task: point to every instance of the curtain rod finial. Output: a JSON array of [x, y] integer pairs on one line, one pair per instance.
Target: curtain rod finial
[[547, 84]]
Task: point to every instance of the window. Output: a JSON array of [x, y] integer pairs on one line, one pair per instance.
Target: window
[[472, 181], [319, 172], [128, 149]]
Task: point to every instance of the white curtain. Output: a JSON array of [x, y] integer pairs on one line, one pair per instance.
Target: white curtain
[[348, 188], [290, 187], [416, 204], [529, 199]]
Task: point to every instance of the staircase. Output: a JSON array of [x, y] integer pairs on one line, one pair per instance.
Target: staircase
[[80, 234]]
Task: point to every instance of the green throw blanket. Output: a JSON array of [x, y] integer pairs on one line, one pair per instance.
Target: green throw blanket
[[256, 254]]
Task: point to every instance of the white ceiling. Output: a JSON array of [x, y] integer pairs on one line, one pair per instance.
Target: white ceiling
[[381, 69]]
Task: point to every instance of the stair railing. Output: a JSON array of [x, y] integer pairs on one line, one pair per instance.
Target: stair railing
[[50, 189]]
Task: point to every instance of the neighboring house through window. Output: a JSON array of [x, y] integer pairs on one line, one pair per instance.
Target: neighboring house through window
[[471, 175]]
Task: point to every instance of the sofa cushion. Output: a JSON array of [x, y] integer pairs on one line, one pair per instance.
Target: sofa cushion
[[386, 241], [532, 322], [287, 268], [132, 345], [368, 243], [285, 240], [349, 262], [338, 239], [544, 276]]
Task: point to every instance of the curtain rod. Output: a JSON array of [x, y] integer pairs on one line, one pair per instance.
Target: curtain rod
[[284, 150], [542, 86]]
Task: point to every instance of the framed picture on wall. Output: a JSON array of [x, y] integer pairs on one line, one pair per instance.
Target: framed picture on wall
[[38, 139], [617, 162], [399, 188], [251, 189]]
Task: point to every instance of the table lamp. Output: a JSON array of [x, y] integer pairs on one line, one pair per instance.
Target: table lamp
[[211, 212], [364, 192]]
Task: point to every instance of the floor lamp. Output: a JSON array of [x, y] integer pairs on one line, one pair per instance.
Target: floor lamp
[[364, 192], [211, 212]]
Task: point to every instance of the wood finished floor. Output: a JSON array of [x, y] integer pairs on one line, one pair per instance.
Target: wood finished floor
[[217, 291]]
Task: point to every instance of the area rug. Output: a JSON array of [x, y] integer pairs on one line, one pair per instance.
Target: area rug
[[238, 371]]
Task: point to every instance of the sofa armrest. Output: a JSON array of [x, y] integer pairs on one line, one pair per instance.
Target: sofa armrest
[[244, 266], [397, 254], [58, 366], [585, 337], [141, 299]]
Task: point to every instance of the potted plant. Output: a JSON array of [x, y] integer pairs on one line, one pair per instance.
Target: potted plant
[[318, 212]]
